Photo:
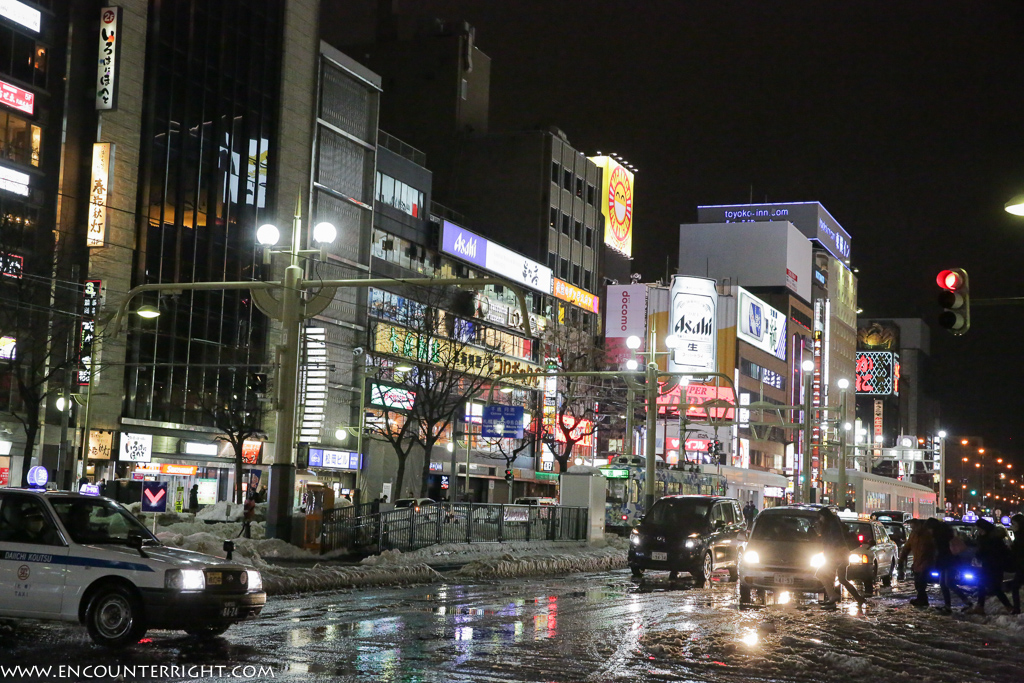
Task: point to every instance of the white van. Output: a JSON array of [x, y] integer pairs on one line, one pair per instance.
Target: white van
[[72, 557]]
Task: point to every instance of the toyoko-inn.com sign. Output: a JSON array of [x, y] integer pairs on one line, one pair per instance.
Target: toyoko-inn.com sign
[[692, 320], [469, 246]]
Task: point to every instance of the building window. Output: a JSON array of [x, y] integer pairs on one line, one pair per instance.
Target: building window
[[552, 260], [590, 236], [555, 168], [565, 224], [563, 269], [19, 139], [575, 274], [397, 194], [579, 188], [586, 279], [578, 232], [591, 195], [567, 179], [553, 222]]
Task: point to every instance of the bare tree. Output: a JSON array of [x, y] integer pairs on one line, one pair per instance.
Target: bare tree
[[432, 352], [39, 328], [574, 416], [234, 408]]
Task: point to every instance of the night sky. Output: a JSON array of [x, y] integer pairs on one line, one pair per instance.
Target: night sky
[[904, 119]]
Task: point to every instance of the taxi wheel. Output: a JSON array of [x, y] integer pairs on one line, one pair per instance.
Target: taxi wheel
[[114, 617], [208, 631], [744, 595]]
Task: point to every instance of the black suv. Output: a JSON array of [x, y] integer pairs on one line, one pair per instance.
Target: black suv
[[695, 534]]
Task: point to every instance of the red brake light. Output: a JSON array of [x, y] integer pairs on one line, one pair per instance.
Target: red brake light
[[860, 538], [625, 517]]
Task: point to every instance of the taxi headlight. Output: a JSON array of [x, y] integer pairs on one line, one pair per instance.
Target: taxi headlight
[[751, 557], [818, 560], [185, 579], [255, 580], [634, 537], [690, 543], [858, 559]]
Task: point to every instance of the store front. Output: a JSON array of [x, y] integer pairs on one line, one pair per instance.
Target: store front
[[337, 470]]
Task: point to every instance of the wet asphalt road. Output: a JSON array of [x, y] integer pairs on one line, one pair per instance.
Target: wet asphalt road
[[584, 627]]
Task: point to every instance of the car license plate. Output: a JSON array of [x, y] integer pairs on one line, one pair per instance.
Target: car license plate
[[659, 556], [229, 609], [213, 578], [784, 580]]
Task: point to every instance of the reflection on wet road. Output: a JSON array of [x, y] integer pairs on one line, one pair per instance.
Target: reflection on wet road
[[588, 627]]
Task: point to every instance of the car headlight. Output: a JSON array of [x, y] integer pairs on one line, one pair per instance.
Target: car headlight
[[690, 543], [634, 537], [858, 559], [185, 579], [818, 560], [255, 580], [751, 557]]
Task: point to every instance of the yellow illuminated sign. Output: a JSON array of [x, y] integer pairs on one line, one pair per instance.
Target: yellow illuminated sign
[[616, 205], [98, 190], [399, 341]]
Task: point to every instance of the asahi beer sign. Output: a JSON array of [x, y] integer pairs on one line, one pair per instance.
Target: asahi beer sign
[[693, 323], [493, 257], [761, 325]]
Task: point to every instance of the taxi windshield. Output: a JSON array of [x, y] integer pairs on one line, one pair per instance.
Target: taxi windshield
[[783, 528], [92, 521]]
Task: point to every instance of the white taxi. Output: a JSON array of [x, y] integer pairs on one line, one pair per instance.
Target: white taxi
[[72, 557]]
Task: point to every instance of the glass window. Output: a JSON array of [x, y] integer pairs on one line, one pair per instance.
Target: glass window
[[591, 195], [40, 67], [553, 218], [785, 528], [6, 46], [555, 168], [97, 521], [687, 514], [578, 231], [23, 58], [566, 221], [586, 279], [579, 187], [563, 269], [590, 237], [567, 179], [23, 520], [552, 260], [575, 274]]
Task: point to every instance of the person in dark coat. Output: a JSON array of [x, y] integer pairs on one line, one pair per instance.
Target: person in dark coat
[[994, 555], [942, 535], [1017, 560], [193, 499], [837, 557], [749, 512], [921, 546]]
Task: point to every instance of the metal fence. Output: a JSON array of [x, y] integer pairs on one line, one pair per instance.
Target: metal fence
[[411, 528]]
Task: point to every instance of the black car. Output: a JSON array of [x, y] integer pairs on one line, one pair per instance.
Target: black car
[[695, 534]]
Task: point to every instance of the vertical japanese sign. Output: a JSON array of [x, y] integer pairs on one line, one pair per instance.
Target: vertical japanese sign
[[878, 424], [107, 59], [98, 192], [90, 306]]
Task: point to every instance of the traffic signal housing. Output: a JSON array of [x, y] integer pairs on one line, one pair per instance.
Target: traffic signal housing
[[955, 299], [509, 476]]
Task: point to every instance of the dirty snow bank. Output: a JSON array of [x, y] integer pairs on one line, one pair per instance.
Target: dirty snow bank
[[509, 565]]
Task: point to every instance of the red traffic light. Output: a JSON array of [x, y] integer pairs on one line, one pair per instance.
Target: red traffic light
[[950, 280]]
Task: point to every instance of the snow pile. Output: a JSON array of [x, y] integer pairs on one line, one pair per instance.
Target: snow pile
[[509, 565], [455, 553], [280, 580], [222, 511]]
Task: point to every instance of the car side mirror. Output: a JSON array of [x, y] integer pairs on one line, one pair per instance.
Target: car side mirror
[[134, 541]]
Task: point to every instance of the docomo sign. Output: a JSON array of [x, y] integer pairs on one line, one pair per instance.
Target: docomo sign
[[574, 295], [493, 257], [693, 323], [627, 311]]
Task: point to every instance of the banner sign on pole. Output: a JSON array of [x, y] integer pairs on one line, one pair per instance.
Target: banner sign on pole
[[154, 496]]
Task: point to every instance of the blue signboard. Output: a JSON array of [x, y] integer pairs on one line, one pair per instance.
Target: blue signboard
[[503, 422], [154, 496], [334, 460]]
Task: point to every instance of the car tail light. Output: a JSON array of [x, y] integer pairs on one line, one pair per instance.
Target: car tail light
[[860, 538], [625, 517]]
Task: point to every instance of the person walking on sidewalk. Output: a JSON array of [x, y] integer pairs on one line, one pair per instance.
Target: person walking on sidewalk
[[921, 546], [1017, 560], [749, 513], [945, 561], [994, 555], [837, 554], [248, 514]]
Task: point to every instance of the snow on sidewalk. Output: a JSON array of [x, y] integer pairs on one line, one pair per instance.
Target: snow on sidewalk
[[392, 567]]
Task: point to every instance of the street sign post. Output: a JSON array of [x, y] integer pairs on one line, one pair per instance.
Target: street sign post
[[502, 422], [154, 496]]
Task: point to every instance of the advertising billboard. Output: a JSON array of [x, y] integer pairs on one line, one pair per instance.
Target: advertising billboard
[[878, 373], [692, 321], [616, 204], [811, 218], [761, 325], [574, 295], [136, 447], [468, 246]]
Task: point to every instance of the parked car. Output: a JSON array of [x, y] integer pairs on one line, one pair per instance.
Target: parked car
[[695, 534], [416, 504], [873, 556], [783, 552], [535, 500], [891, 516], [87, 559]]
